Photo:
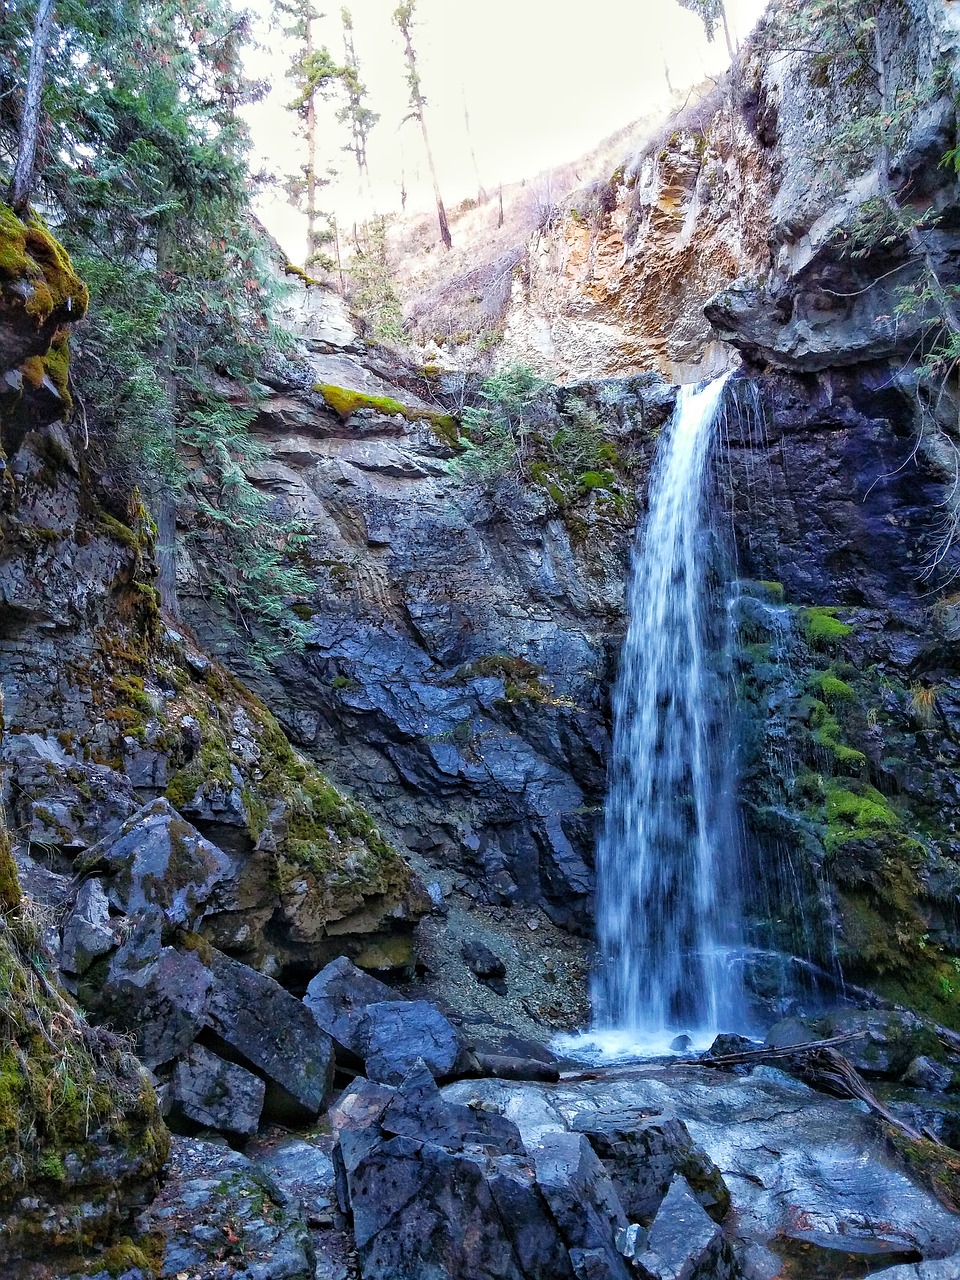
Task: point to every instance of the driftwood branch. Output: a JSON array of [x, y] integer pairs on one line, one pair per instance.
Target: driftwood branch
[[816, 1063], [727, 1060]]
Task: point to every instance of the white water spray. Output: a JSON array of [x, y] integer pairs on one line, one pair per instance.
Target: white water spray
[[667, 859]]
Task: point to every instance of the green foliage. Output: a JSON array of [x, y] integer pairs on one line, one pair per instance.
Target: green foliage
[[373, 295], [710, 12], [144, 166], [497, 433], [822, 627]]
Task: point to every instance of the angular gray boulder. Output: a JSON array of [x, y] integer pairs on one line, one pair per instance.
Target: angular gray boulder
[[396, 1034], [157, 859], [338, 998], [684, 1243], [373, 1024], [272, 1031], [209, 1093], [456, 1199], [87, 934], [583, 1202], [643, 1153]]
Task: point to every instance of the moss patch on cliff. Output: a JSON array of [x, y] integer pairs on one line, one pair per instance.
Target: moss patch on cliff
[[860, 842], [313, 826], [29, 253], [345, 403]]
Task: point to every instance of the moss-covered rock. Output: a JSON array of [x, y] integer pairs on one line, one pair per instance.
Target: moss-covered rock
[[81, 1139], [345, 403], [844, 804]]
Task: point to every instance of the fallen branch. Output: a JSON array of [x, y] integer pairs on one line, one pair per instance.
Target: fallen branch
[[727, 1060], [767, 1054]]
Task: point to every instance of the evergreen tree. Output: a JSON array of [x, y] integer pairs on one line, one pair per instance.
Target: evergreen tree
[[403, 16], [711, 13], [141, 161], [355, 113], [316, 76]]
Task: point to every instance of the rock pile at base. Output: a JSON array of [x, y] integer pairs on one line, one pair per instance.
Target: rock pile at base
[[447, 1189]]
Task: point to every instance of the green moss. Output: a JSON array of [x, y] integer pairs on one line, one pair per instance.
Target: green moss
[[931, 1165], [833, 690], [291, 269], [302, 611], [9, 880], [345, 402], [127, 1256], [57, 367], [597, 480], [28, 252], [320, 830], [69, 1094], [51, 1167], [505, 666], [822, 628], [119, 531], [827, 735], [856, 815]]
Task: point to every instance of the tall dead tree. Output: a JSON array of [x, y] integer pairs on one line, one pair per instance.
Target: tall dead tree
[[403, 17]]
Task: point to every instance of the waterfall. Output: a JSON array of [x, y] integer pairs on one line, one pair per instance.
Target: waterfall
[[668, 856]]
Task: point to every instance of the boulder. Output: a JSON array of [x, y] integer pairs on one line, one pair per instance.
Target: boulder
[[338, 997], [925, 1073], [934, 1269], [485, 965], [157, 859], [583, 1202], [303, 1170], [728, 1043], [684, 1243], [443, 1198], [418, 1110], [87, 933], [271, 1030], [159, 993], [208, 1092], [397, 1033], [643, 1154], [61, 802]]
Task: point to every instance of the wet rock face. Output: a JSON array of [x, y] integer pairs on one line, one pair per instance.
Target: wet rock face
[[457, 670], [848, 682]]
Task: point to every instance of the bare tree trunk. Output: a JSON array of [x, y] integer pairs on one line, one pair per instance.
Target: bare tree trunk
[[22, 181], [311, 154], [160, 493], [726, 32], [417, 106], [481, 193], [500, 207]]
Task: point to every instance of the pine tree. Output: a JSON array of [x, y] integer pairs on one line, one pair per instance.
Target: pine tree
[[355, 113], [141, 165], [403, 16], [710, 13], [316, 75]]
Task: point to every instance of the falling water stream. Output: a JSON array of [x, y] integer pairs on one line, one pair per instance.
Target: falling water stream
[[667, 859]]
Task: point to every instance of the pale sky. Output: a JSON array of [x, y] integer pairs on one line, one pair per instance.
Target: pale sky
[[543, 80]]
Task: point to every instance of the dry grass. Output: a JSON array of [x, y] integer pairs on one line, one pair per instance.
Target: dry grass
[[455, 302]]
